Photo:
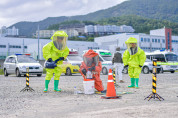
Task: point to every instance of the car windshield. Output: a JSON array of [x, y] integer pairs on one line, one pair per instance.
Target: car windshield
[[171, 57], [25, 59], [107, 58], [147, 60], [74, 58]]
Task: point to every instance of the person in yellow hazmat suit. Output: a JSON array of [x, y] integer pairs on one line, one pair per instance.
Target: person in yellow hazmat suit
[[54, 53], [133, 58]]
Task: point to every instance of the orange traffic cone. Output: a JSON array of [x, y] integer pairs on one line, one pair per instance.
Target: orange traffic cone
[[111, 92]]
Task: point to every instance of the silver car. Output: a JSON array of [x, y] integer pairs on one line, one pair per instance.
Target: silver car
[[18, 64], [146, 68]]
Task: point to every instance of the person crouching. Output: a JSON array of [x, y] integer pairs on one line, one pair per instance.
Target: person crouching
[[91, 68]]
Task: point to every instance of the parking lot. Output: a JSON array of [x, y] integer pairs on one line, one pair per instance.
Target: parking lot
[[14, 103]]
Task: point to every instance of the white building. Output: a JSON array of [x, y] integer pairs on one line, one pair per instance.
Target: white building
[[49, 33], [107, 29], [9, 46], [125, 28], [71, 32], [175, 44], [146, 42], [89, 29], [99, 29], [9, 31], [45, 33]]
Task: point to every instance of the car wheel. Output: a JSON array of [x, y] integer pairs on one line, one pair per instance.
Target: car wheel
[[125, 71], [17, 73], [172, 71], [39, 75], [145, 70], [161, 71], [68, 72], [5, 72], [104, 71]]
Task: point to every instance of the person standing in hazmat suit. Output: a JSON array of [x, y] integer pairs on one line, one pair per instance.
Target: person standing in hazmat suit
[[133, 58], [91, 68], [55, 51]]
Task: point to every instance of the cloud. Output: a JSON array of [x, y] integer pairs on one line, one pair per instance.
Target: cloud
[[12, 11]]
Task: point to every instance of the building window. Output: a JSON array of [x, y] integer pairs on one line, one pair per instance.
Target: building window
[[148, 39], [155, 40], [168, 40], [152, 40], [163, 40], [141, 39], [2, 46], [25, 47], [144, 39], [14, 46], [158, 40]]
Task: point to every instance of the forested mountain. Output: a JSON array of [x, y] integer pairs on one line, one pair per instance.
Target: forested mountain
[[140, 24], [154, 9]]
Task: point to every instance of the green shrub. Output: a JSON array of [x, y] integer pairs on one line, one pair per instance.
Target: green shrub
[[1, 72], [44, 70]]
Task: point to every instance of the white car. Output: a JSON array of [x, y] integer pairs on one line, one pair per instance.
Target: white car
[[146, 68], [18, 64]]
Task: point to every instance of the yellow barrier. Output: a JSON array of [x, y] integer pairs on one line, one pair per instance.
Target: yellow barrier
[[27, 88], [154, 94]]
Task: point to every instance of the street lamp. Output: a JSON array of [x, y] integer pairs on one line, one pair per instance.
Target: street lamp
[[38, 44]]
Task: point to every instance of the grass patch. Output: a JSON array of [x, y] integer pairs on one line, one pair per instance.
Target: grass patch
[[44, 70], [1, 72]]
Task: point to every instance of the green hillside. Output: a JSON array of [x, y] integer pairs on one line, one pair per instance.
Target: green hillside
[[140, 24]]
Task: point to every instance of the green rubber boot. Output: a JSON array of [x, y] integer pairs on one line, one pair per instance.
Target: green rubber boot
[[46, 85], [132, 83], [56, 82], [136, 81]]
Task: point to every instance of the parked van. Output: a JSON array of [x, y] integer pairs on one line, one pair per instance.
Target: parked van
[[168, 60]]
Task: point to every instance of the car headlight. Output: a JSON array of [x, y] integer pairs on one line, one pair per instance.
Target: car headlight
[[167, 66], [150, 64], [22, 67], [73, 64]]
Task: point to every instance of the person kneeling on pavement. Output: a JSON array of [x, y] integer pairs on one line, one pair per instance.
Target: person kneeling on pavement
[[91, 68]]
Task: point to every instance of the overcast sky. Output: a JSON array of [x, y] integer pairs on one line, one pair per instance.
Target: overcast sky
[[13, 11]]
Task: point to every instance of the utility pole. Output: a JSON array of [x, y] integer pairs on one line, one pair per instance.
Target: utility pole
[[8, 50], [23, 47], [38, 44]]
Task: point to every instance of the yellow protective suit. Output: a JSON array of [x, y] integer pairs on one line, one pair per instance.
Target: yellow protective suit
[[50, 51], [134, 58]]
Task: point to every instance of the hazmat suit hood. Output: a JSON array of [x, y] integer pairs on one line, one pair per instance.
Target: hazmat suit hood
[[132, 45], [59, 39], [91, 58]]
